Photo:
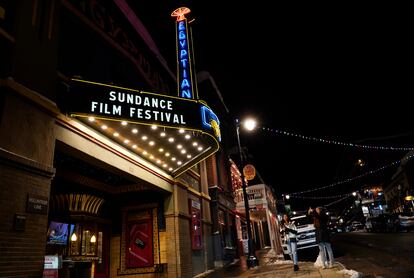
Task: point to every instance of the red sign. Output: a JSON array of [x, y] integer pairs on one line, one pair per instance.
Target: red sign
[[196, 228], [249, 172], [50, 273]]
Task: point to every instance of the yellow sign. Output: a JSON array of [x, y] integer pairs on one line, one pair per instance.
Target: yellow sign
[[249, 172]]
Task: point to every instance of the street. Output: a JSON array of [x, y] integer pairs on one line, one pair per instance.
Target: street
[[376, 254]]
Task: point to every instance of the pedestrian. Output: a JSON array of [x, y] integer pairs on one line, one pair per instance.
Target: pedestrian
[[322, 234], [288, 228]]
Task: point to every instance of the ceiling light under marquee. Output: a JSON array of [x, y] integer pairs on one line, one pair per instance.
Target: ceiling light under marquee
[[109, 127]]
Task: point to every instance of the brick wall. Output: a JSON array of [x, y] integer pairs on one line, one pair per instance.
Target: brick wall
[[21, 253], [208, 243], [173, 258], [115, 258], [26, 157], [185, 247], [26, 130]]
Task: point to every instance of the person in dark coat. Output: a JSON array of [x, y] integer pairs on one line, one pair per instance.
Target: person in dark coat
[[322, 234]]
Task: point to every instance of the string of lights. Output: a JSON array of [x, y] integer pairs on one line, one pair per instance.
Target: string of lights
[[322, 197], [340, 143], [395, 163], [337, 201]]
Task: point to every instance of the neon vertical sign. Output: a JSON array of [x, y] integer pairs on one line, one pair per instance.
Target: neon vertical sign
[[185, 84]]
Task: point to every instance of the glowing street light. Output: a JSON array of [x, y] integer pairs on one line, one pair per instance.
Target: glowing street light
[[249, 124], [252, 260]]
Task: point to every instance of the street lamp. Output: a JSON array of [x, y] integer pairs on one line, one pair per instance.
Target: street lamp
[[252, 260]]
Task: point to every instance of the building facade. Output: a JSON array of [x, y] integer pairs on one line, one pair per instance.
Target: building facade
[[223, 210], [263, 212], [84, 186], [400, 190]]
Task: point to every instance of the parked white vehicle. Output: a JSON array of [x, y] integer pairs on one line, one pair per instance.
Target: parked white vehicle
[[406, 221], [306, 237]]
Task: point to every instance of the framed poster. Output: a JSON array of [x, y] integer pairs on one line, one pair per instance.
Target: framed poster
[[139, 251], [195, 225], [140, 242]]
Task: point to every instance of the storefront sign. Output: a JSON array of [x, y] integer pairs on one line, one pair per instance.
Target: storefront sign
[[122, 104], [249, 172], [185, 84], [51, 262], [36, 204], [195, 204]]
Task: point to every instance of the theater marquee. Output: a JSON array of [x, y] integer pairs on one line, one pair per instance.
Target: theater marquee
[[171, 132]]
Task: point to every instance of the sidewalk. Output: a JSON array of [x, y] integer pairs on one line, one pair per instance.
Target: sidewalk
[[272, 266]]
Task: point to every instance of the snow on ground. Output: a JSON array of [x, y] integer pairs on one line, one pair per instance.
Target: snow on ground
[[281, 262], [350, 272]]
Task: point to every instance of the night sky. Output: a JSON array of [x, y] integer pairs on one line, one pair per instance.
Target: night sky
[[338, 73]]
